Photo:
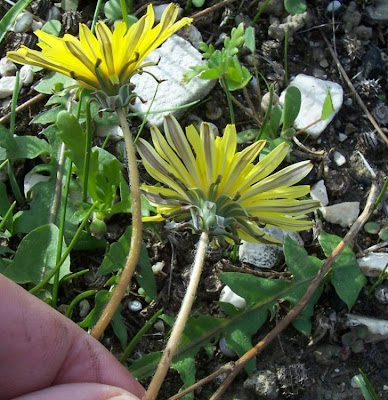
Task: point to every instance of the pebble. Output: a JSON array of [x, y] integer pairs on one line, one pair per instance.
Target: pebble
[[7, 84], [381, 293], [171, 91], [339, 159], [7, 67], [373, 264], [342, 137], [318, 192], [114, 131], [31, 179], [228, 296], [192, 34], [23, 24], [378, 12], [313, 91], [84, 308], [263, 255], [158, 267], [159, 10], [26, 75], [264, 384], [377, 327], [265, 101], [333, 6], [343, 214], [135, 305]]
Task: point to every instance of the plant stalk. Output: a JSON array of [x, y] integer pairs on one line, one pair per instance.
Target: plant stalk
[[136, 238], [176, 334]]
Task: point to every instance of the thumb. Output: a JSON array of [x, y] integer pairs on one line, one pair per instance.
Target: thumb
[[80, 391]]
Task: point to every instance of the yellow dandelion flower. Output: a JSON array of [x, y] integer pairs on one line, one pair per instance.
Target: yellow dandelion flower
[[108, 60], [214, 188]]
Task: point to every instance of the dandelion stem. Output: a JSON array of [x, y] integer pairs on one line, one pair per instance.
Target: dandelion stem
[[173, 342], [136, 238]]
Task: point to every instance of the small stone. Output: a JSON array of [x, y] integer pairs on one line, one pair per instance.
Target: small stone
[[31, 179], [84, 308], [159, 10], [23, 24], [324, 63], [225, 349], [318, 192], [343, 214], [7, 84], [313, 93], [264, 384], [114, 131], [378, 13], [353, 381], [339, 159], [263, 255], [135, 306], [228, 296], [265, 101], [333, 6], [381, 293], [171, 92], [319, 73], [342, 137], [7, 67], [373, 264], [157, 268], [192, 34]]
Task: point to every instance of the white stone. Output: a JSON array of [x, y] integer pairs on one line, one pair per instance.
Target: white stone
[[377, 327], [26, 75], [313, 91], [342, 137], [333, 6], [7, 84], [373, 264], [343, 214], [159, 10], [158, 267], [174, 59], [339, 159], [114, 131], [31, 179], [318, 192], [228, 296], [264, 255], [7, 67], [192, 34], [23, 23]]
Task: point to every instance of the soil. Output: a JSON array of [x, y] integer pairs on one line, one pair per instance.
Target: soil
[[318, 367]]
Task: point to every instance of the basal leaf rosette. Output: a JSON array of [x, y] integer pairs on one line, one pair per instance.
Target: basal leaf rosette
[[206, 183], [105, 61]]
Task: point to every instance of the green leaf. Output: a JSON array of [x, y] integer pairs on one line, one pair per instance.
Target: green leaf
[[116, 257], [49, 83], [198, 3], [36, 256], [247, 135], [69, 5], [295, 6], [118, 324], [10, 17], [53, 27], [327, 108], [49, 116], [209, 74], [249, 39], [303, 267], [346, 277], [292, 102], [5, 205]]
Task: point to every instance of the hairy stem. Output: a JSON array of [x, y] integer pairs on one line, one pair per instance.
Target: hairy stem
[[173, 342], [136, 238]]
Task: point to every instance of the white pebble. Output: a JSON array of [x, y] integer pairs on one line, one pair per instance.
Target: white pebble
[[333, 6], [228, 296], [36, 25], [26, 75], [343, 214], [342, 137], [84, 308], [7, 67], [135, 305], [339, 159], [313, 92], [158, 10], [7, 84], [373, 264], [31, 179], [114, 131], [23, 24], [318, 192], [158, 267]]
